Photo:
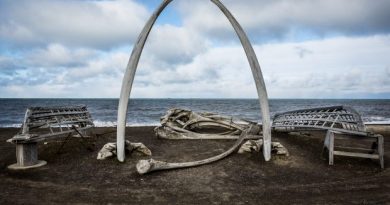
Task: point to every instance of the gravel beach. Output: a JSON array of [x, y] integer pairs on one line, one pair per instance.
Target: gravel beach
[[75, 176]]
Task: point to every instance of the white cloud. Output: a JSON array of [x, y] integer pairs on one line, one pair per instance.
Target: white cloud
[[57, 55], [73, 23], [284, 19], [81, 48], [171, 44], [333, 68], [109, 65]]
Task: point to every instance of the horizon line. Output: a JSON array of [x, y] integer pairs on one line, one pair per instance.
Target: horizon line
[[198, 98]]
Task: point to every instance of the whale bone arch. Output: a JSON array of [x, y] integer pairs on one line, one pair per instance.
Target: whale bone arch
[[131, 68]]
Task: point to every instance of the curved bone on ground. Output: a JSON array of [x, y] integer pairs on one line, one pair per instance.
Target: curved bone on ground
[[170, 134], [256, 145], [109, 149], [146, 166]]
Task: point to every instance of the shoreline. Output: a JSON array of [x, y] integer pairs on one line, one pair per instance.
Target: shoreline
[[112, 124], [383, 129]]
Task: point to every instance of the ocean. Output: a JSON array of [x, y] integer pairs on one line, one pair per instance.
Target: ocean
[[148, 111]]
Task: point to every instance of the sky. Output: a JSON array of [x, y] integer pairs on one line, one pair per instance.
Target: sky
[[306, 48]]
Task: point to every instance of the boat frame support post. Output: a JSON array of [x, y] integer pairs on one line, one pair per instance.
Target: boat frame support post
[[27, 156]]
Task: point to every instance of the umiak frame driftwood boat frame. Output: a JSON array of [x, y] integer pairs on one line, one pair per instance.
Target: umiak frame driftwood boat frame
[[128, 79], [343, 121], [45, 123]]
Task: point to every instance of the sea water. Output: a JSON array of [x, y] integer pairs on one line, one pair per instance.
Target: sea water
[[148, 111]]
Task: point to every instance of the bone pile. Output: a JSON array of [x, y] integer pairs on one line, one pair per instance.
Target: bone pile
[[186, 124], [182, 124]]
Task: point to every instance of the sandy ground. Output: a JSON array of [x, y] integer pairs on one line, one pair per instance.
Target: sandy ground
[[75, 176]]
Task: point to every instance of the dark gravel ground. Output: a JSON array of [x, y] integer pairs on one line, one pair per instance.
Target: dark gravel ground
[[75, 176]]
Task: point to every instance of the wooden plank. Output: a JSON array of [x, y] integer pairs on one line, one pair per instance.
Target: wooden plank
[[331, 147], [326, 141], [35, 116], [354, 149], [355, 154], [25, 127], [381, 151]]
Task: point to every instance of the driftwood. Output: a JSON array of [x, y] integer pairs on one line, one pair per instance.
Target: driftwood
[[45, 123], [146, 166], [109, 149], [59, 121], [336, 118], [186, 124], [375, 152], [341, 120]]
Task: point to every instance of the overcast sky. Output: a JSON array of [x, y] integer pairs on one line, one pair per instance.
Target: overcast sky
[[306, 48]]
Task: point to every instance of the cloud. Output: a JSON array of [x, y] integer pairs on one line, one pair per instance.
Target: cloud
[[109, 65], [290, 20], [172, 44], [302, 52], [57, 55], [99, 76], [108, 24], [98, 24], [9, 65], [81, 49], [337, 67]]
